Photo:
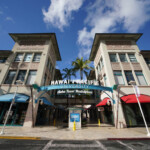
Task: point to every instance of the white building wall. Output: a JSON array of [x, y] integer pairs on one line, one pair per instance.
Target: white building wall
[[109, 67]]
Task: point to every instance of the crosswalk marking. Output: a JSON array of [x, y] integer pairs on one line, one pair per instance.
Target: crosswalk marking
[[48, 145], [101, 145], [125, 145]]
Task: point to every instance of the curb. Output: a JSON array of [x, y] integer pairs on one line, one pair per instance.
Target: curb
[[20, 137], [140, 138]]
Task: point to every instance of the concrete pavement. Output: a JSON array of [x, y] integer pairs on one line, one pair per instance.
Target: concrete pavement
[[86, 133]]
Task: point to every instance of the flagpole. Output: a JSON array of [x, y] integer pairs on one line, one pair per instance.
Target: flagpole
[[134, 88]]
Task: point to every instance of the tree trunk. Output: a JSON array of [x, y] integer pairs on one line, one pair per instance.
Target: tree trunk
[[81, 74]]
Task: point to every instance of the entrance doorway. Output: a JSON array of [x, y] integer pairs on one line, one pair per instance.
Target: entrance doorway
[[133, 115], [16, 116]]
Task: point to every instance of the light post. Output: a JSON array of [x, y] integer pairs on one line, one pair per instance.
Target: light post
[[133, 83], [12, 102]]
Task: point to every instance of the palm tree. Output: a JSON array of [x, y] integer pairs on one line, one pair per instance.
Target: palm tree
[[68, 73], [82, 66]]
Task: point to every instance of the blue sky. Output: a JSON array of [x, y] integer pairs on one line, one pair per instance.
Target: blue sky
[[75, 22]]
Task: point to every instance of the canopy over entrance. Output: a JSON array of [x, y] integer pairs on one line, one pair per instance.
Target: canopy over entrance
[[103, 102], [18, 98], [132, 98], [45, 101]]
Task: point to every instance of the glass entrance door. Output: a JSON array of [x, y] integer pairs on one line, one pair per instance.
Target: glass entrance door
[[16, 116]]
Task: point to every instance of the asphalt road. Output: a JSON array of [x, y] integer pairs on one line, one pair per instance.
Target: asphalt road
[[74, 145]]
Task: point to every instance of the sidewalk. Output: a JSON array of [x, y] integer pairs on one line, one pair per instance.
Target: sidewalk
[[86, 133]]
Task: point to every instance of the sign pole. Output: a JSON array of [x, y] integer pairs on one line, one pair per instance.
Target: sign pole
[[12, 102], [134, 88]]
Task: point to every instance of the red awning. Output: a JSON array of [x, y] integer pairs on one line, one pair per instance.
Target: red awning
[[103, 102], [132, 98]]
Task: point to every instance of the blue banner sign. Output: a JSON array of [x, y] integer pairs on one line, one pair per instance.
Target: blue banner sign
[[74, 117]]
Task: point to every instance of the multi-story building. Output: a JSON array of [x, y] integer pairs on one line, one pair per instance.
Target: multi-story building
[[31, 61], [118, 60]]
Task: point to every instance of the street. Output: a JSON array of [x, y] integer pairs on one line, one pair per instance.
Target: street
[[6, 144]]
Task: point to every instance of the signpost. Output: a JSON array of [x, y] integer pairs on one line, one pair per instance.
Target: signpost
[[137, 94]]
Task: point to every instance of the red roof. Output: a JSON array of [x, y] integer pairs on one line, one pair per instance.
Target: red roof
[[132, 98], [103, 102]]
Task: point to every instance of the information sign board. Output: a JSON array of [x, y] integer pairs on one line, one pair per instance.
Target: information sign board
[[74, 117]]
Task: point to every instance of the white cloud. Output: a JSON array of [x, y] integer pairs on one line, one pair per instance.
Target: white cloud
[[105, 16], [84, 51], [10, 19], [60, 11]]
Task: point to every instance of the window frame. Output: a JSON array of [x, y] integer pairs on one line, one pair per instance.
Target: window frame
[[26, 57], [3, 60], [128, 71], [140, 74], [17, 78], [13, 77], [34, 60], [132, 60], [118, 73], [16, 60], [147, 60], [29, 75], [125, 60], [112, 59]]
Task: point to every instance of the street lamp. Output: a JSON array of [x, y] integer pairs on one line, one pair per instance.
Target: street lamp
[[12, 102], [133, 83]]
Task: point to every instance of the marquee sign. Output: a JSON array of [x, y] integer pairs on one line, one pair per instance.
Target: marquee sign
[[73, 86], [77, 85]]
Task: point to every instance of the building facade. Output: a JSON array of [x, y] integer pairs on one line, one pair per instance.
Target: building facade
[[118, 60], [31, 61]]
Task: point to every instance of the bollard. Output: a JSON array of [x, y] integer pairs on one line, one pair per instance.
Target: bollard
[[99, 123], [130, 122], [74, 125]]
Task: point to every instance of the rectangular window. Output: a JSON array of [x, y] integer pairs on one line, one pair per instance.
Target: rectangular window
[[47, 62], [27, 57], [132, 57], [21, 75], [3, 59], [19, 57], [99, 68], [10, 77], [102, 63], [31, 77], [118, 77], [105, 80], [37, 57], [52, 70], [141, 78], [147, 60], [113, 57], [129, 76], [44, 81], [49, 66], [122, 57]]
